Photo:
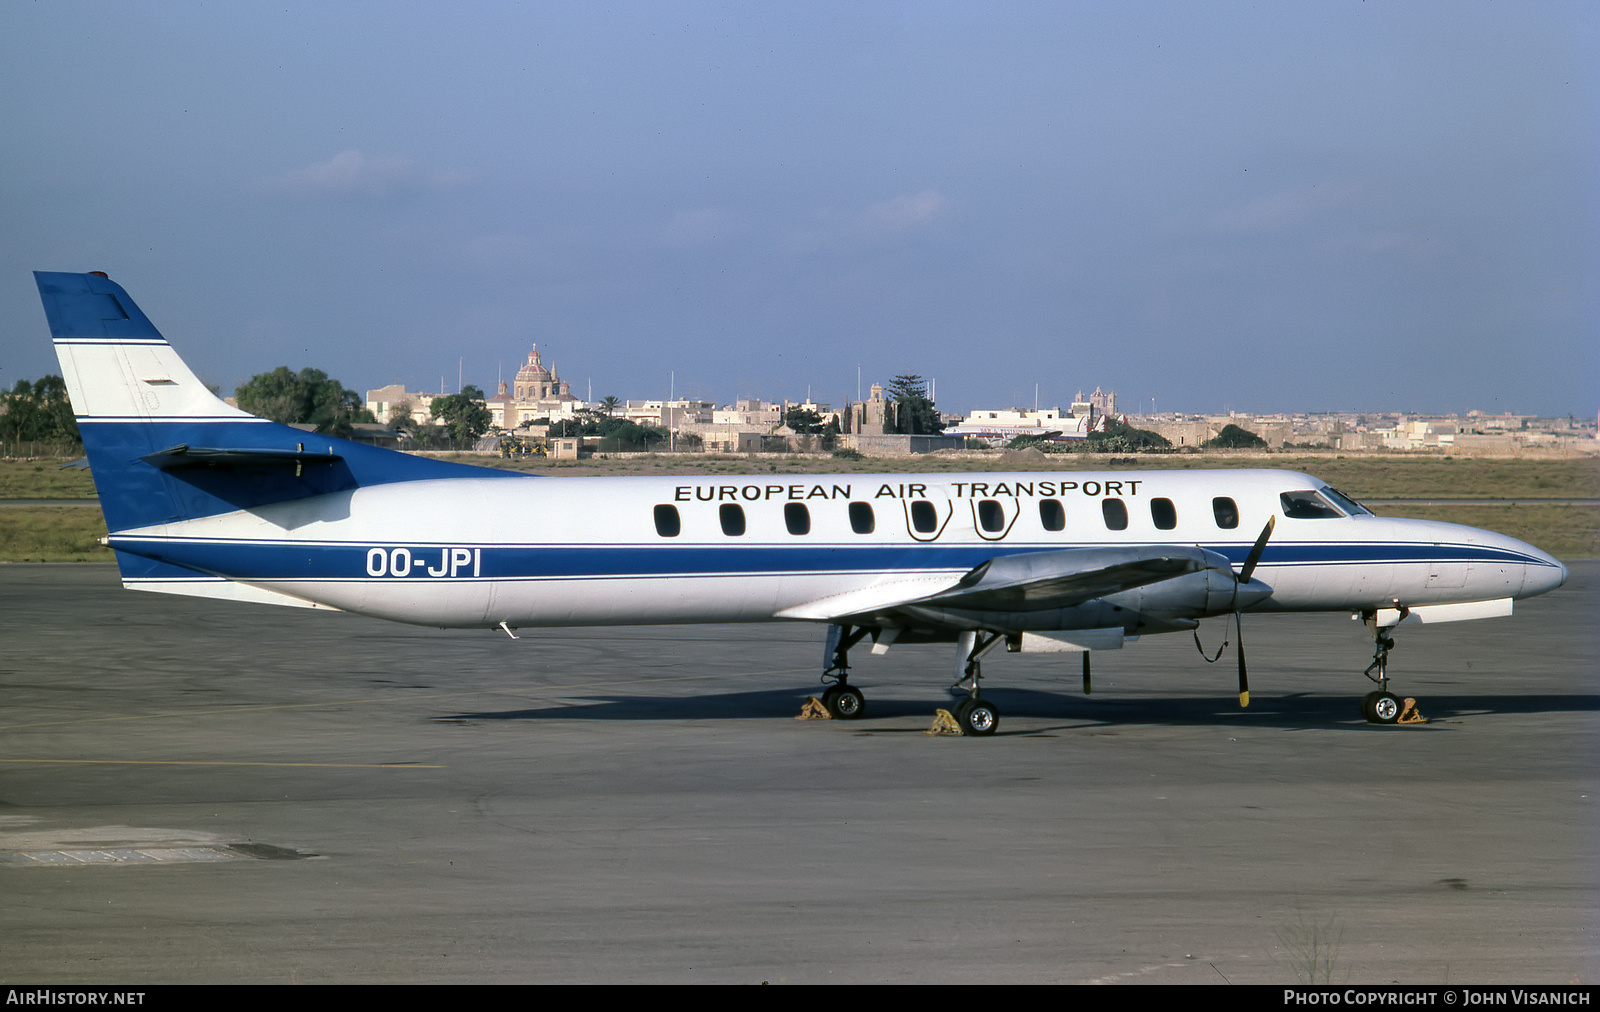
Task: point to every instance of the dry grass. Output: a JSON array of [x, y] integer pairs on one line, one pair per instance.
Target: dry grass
[[52, 534], [44, 479], [1567, 532]]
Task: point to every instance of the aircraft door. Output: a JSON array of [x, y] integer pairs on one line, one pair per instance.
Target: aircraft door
[[994, 518], [926, 519]]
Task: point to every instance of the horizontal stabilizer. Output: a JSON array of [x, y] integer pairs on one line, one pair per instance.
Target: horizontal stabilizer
[[184, 455]]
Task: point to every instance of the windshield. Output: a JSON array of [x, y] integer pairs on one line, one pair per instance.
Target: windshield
[[1307, 505], [1344, 502]]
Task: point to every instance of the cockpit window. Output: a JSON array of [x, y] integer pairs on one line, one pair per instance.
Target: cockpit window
[[1344, 502], [1307, 505]]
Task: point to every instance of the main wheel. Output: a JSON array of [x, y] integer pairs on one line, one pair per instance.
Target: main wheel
[[977, 717], [1384, 709], [845, 702]]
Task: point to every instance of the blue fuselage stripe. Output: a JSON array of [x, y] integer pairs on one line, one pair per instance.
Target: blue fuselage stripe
[[246, 560]]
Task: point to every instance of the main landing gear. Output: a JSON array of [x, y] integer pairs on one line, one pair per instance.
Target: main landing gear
[[842, 700], [1383, 706], [974, 715]]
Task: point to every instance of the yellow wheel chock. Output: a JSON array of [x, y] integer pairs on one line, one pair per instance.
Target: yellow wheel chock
[[814, 710], [1409, 714], [944, 723]]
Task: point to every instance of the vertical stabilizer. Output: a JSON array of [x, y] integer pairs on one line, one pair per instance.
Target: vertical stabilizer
[[164, 448], [117, 366]]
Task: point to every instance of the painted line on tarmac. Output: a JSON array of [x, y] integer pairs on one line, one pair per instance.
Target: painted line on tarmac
[[208, 762]]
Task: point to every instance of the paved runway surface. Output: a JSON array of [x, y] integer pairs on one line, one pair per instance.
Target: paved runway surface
[[194, 791]]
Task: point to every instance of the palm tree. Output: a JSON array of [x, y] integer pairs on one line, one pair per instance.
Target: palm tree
[[609, 405]]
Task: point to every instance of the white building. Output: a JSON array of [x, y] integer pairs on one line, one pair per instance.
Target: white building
[[1005, 424]]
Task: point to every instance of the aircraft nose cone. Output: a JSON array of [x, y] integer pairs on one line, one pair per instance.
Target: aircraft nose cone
[[1543, 579], [1542, 573]]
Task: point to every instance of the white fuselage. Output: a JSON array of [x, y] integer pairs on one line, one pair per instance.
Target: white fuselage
[[597, 551]]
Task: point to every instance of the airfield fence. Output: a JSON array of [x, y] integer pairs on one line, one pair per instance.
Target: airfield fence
[[27, 449]]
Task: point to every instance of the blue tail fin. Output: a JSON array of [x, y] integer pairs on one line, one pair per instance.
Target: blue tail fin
[[163, 448]]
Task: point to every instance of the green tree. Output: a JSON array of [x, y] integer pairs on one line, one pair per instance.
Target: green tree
[[40, 411], [910, 409], [1120, 437], [401, 418], [464, 415], [309, 396], [802, 420], [1234, 438], [609, 405]]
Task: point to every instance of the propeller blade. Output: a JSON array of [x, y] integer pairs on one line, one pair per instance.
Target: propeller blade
[[1244, 681], [1256, 550], [1086, 672]]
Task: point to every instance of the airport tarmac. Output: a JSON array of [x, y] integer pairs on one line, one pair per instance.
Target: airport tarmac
[[197, 791]]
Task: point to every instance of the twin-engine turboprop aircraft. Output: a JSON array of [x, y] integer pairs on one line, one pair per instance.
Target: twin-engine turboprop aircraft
[[201, 498]]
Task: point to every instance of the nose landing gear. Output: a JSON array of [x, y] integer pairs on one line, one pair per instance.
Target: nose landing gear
[[1383, 706]]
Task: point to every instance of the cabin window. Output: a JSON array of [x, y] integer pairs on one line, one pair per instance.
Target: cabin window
[[1163, 514], [1116, 513], [1306, 505], [991, 516], [924, 518], [797, 518], [668, 524], [861, 518], [1226, 511], [1051, 515], [732, 517]]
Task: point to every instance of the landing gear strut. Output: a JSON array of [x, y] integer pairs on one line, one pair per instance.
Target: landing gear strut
[[976, 715], [842, 700], [1382, 706]]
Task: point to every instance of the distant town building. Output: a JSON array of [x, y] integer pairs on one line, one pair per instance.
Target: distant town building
[[536, 393], [1001, 425], [390, 402], [868, 417]]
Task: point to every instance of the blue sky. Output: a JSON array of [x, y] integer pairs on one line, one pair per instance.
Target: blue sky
[[1334, 206]]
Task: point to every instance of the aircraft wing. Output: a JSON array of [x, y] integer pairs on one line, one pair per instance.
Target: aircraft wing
[[1031, 581]]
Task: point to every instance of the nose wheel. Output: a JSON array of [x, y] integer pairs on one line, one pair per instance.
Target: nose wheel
[[1383, 706]]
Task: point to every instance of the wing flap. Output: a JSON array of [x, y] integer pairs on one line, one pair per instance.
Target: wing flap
[[878, 597]]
